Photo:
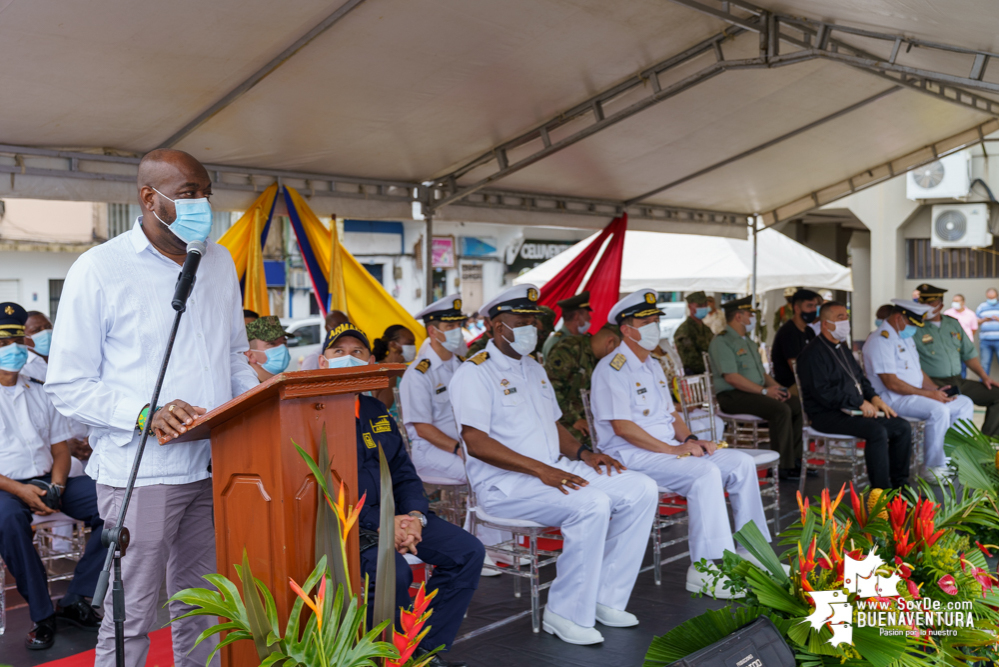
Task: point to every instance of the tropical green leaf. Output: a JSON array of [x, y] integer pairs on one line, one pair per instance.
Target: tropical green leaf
[[775, 595], [880, 650], [698, 633], [750, 537], [328, 530], [256, 614], [384, 606]]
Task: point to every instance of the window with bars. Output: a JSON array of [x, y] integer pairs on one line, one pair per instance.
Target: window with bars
[[55, 293], [923, 262], [121, 217]]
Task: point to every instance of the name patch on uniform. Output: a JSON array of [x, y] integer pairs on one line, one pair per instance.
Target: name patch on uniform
[[480, 357], [927, 338], [382, 425], [617, 363], [423, 366], [884, 334], [369, 442], [642, 391], [511, 390], [441, 389]]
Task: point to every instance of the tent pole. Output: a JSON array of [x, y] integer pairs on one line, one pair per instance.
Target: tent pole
[[752, 285], [428, 255]]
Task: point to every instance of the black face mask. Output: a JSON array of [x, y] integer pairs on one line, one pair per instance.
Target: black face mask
[[808, 317]]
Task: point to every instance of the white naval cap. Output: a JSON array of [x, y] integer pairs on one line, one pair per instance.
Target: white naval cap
[[447, 309], [914, 312], [519, 299], [640, 303]]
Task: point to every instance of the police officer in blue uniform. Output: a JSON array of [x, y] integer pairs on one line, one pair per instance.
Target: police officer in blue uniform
[[455, 554]]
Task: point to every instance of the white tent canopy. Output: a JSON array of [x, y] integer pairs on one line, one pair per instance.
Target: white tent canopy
[[687, 263], [689, 114]]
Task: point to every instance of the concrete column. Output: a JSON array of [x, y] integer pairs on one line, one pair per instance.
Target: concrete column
[[860, 263]]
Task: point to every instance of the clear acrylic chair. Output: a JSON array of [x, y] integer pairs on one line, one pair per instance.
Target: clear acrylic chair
[[742, 431], [828, 451]]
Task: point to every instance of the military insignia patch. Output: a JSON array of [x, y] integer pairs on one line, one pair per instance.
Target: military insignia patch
[[441, 389], [457, 304], [9, 310], [642, 391], [650, 297], [480, 357], [884, 334], [617, 363], [504, 382], [511, 390], [423, 366], [927, 338], [369, 442], [645, 412], [532, 294], [382, 425]]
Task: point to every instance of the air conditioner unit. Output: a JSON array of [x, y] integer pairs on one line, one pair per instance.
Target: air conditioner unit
[[960, 226], [947, 178]]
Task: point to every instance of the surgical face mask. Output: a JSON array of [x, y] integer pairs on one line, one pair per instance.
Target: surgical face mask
[[277, 359], [992, 302], [877, 323], [43, 341], [346, 361], [751, 327], [908, 332], [583, 328], [452, 340], [816, 327], [525, 339], [193, 221], [702, 312], [956, 305], [841, 332], [808, 317], [648, 336], [13, 357], [408, 353]]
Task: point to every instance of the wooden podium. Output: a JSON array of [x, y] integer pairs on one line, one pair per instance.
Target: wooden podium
[[265, 495]]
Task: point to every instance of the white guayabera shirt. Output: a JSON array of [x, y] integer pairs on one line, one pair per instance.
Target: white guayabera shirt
[[113, 323]]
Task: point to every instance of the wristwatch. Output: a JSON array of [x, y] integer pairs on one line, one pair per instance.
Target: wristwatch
[[422, 517], [763, 392]]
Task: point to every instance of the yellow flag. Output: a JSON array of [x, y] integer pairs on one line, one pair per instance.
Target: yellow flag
[[338, 291]]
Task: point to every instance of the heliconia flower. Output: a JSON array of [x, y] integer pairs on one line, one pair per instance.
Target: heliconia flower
[[897, 509], [347, 516], [902, 546], [412, 622], [859, 510], [803, 507], [316, 606], [923, 521], [948, 585]]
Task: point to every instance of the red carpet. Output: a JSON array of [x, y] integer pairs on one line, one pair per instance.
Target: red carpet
[[160, 653]]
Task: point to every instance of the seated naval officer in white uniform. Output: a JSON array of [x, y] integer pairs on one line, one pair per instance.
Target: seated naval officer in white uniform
[[892, 365], [524, 465], [426, 405], [636, 423]]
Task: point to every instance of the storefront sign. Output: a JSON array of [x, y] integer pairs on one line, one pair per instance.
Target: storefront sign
[[532, 252], [442, 254]]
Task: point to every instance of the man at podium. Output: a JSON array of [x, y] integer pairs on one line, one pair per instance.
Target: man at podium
[[114, 320], [455, 554]]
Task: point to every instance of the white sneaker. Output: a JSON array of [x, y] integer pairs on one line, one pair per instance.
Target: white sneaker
[[507, 559], [615, 618], [488, 572], [745, 555], [937, 474], [568, 631], [700, 582]]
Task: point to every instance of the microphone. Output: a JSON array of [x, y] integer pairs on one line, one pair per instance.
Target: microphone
[[185, 282]]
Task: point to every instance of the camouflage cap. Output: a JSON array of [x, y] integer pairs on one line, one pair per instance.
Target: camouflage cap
[[697, 297], [267, 329]]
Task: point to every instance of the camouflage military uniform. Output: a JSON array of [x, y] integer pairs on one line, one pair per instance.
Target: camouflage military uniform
[[570, 366], [479, 345], [692, 339]]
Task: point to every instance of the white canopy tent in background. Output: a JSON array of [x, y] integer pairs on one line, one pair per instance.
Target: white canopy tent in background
[[687, 263]]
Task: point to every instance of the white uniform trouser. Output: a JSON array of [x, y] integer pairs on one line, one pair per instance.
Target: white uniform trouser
[[434, 463], [605, 530], [938, 417], [703, 482], [700, 424]]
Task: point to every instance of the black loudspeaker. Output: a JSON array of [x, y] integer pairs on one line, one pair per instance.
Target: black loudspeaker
[[758, 644]]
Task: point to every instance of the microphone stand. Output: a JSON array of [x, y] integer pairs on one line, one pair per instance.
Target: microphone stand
[[117, 538]]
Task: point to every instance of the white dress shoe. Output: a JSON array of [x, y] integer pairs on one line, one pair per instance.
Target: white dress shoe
[[488, 572], [615, 618], [745, 555], [568, 631], [507, 559], [700, 582]]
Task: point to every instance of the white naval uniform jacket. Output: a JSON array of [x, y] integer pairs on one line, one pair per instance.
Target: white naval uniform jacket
[[886, 352], [424, 394], [29, 426]]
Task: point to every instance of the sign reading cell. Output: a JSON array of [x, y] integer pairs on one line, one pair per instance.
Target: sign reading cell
[[533, 252], [443, 252]]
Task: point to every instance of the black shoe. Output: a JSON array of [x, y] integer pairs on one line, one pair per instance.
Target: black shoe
[[812, 472], [437, 660], [80, 614], [790, 473], [42, 636]]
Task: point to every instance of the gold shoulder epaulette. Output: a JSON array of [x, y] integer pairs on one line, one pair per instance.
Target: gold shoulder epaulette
[[617, 363], [480, 357], [423, 366], [884, 334]]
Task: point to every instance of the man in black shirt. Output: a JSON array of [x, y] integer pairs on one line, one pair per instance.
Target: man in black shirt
[[793, 335], [832, 381]]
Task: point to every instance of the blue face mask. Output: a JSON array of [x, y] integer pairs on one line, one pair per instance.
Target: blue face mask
[[702, 312], [992, 302], [43, 341], [346, 361], [13, 357], [908, 332], [277, 359], [877, 322], [194, 218]]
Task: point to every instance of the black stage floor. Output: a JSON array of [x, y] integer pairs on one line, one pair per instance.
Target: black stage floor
[[660, 608]]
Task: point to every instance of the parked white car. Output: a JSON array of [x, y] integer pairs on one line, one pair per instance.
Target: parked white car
[[674, 313], [308, 333]]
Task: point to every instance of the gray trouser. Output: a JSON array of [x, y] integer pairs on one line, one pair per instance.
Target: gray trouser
[[172, 533]]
